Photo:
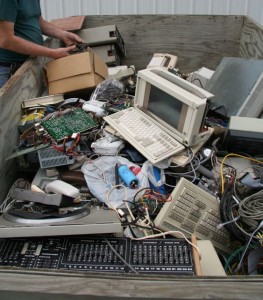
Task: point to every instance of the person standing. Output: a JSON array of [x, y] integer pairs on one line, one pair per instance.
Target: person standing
[[21, 35]]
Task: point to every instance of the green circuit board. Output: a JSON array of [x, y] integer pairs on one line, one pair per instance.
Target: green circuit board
[[63, 126]]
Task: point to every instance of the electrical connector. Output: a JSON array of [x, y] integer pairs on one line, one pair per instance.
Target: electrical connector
[[74, 135], [144, 223], [121, 212]]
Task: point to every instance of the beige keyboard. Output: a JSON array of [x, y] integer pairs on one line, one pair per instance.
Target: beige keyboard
[[143, 134], [193, 211]]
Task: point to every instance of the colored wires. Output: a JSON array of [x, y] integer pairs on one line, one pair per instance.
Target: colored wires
[[9, 201], [70, 151], [222, 165], [150, 201]]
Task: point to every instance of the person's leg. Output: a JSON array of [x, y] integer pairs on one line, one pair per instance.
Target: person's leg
[[5, 74]]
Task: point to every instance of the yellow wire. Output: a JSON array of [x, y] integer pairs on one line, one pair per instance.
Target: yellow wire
[[260, 237], [237, 155]]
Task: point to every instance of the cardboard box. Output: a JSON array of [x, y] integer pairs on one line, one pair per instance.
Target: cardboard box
[[75, 72]]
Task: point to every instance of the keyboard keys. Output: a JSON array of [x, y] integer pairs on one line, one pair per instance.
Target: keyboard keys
[[153, 256], [144, 135], [193, 211]]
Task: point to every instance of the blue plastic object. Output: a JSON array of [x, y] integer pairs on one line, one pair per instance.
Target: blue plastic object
[[157, 175], [128, 177]]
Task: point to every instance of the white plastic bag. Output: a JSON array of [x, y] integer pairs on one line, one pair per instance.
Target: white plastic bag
[[156, 178], [100, 177], [152, 178]]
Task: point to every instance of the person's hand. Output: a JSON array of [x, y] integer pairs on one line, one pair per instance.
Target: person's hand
[[61, 52], [70, 38]]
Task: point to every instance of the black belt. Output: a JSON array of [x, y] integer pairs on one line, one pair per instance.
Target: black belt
[[10, 64], [5, 64], [14, 66]]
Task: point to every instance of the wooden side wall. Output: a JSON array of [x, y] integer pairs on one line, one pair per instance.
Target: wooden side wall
[[196, 40], [44, 285], [251, 40], [28, 82]]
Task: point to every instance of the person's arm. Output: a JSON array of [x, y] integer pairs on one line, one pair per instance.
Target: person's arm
[[48, 29], [9, 41]]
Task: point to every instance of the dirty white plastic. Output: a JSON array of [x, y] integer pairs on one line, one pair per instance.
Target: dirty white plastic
[[61, 187]]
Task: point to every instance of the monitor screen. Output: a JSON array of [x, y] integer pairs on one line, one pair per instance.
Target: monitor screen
[[174, 104], [165, 107]]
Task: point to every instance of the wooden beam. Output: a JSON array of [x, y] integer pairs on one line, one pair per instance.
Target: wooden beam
[[251, 40], [112, 286]]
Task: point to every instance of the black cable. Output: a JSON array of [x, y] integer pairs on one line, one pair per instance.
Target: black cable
[[120, 257], [227, 205], [130, 67], [200, 82], [131, 231], [127, 223], [220, 107], [246, 247]]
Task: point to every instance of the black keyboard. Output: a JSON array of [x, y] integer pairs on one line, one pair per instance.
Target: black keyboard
[[90, 253]]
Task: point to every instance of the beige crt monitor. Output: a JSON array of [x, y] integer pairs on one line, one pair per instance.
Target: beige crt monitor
[[174, 104]]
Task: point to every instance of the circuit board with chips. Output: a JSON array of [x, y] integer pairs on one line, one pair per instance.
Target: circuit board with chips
[[76, 121]]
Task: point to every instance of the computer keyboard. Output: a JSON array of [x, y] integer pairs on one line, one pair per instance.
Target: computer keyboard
[[193, 211], [91, 253], [140, 131]]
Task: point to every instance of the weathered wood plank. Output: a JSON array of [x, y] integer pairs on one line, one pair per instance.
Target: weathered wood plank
[[26, 83], [251, 40], [134, 287], [196, 40]]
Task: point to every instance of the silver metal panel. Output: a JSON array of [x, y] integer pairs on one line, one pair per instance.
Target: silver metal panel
[[96, 222], [232, 83]]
